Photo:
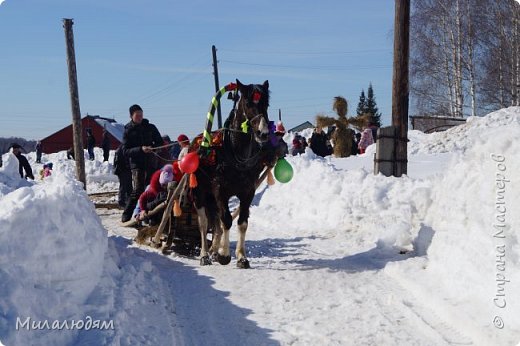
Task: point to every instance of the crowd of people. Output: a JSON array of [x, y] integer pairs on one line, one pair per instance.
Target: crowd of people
[[321, 142]]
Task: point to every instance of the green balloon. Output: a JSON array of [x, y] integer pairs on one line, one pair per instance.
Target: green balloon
[[283, 171]]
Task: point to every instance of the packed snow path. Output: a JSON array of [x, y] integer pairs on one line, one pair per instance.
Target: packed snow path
[[297, 293]]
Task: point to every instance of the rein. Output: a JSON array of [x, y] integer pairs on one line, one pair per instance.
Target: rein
[[240, 162]]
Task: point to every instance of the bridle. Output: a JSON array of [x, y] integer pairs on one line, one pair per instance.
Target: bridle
[[233, 137]]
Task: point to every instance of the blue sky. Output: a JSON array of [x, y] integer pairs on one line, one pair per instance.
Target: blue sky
[[158, 54]]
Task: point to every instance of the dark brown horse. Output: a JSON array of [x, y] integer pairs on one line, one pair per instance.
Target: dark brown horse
[[239, 163]]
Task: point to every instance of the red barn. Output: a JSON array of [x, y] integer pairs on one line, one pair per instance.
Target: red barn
[[62, 139]]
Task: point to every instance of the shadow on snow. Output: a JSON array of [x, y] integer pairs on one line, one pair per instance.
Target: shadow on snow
[[374, 259], [194, 312]]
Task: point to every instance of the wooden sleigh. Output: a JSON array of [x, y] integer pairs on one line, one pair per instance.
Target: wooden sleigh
[[178, 234]]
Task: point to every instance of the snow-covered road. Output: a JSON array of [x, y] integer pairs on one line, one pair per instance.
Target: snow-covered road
[[297, 293]]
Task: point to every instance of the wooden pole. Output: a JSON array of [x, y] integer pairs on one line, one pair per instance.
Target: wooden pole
[[217, 88], [74, 102], [400, 86]]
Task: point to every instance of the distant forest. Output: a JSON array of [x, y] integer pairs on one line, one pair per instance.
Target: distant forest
[[5, 144]]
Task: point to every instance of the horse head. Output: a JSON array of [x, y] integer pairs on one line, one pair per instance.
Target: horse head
[[251, 111]]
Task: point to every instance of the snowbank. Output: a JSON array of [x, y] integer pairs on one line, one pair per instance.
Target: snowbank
[[475, 253], [336, 201], [52, 248], [462, 137], [461, 222]]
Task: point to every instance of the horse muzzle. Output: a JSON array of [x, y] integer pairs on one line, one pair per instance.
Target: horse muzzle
[[262, 134], [261, 137]]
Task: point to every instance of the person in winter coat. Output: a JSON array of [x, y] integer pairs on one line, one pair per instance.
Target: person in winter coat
[[46, 171], [319, 142], [124, 174], [175, 150], [139, 138], [373, 127], [276, 147], [304, 144], [165, 154], [156, 192], [70, 153], [283, 148], [184, 142], [366, 140], [91, 143], [105, 145], [38, 149], [23, 164], [355, 143], [297, 145]]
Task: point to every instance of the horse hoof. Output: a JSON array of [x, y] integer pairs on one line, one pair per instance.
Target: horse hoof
[[223, 259], [205, 261], [214, 257], [243, 263]]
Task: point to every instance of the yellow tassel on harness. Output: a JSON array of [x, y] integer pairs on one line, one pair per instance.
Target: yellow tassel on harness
[[245, 126], [193, 181], [177, 211]]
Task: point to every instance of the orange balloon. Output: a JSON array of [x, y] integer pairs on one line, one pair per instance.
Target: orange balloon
[[189, 163]]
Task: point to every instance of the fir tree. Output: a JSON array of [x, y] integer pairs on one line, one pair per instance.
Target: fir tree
[[362, 105], [371, 107]]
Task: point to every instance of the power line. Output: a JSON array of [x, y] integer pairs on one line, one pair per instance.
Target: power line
[[196, 63], [175, 87], [306, 53], [324, 68]]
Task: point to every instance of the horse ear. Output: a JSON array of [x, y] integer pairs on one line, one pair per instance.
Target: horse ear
[[266, 85], [239, 85]]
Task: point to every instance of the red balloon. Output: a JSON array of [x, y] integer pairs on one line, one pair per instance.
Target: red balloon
[[189, 163]]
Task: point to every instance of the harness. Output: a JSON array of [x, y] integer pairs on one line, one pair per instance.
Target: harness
[[209, 142]]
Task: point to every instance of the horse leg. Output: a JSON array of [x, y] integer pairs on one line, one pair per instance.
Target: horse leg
[[203, 227], [240, 252], [223, 256], [215, 242]]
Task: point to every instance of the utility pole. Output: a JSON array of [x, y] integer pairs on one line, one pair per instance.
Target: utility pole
[[217, 88], [74, 102], [400, 84]]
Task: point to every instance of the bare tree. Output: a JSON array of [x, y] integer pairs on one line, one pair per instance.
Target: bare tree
[[501, 63], [465, 56]]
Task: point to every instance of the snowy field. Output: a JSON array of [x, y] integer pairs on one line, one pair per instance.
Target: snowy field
[[339, 256]]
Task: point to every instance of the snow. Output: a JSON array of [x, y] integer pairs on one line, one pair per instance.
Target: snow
[[339, 256]]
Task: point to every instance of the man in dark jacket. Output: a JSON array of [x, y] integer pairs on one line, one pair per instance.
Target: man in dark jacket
[[105, 144], [22, 160], [91, 142], [39, 149], [138, 140], [319, 142], [123, 172]]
